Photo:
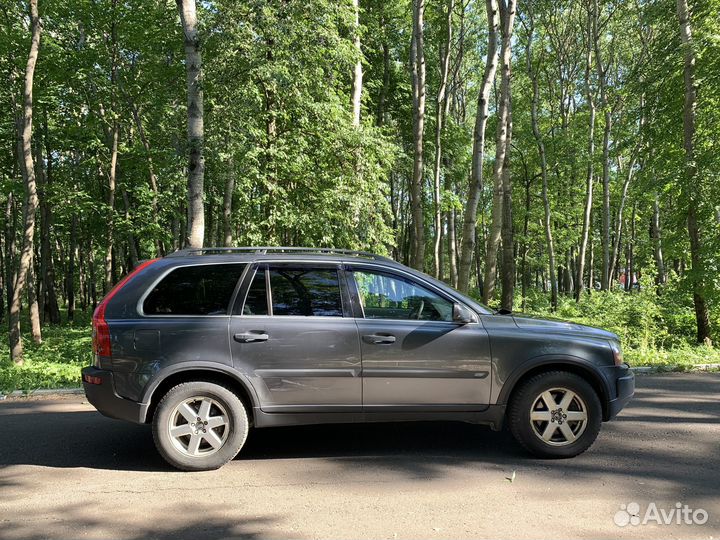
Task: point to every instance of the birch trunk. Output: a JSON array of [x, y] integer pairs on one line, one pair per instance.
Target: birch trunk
[[417, 256], [478, 150], [195, 125], [502, 139], [580, 275], [547, 216], [507, 269], [441, 112]]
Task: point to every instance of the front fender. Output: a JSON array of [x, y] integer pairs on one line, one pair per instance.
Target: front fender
[[552, 362]]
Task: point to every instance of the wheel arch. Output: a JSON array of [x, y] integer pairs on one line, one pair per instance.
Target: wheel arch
[[571, 364], [198, 372]]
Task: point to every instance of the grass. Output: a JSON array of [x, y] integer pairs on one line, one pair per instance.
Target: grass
[[55, 363], [654, 331]]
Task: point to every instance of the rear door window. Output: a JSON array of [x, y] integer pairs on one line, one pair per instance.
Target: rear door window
[[194, 290], [299, 291]]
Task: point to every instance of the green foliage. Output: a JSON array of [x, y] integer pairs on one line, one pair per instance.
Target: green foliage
[[654, 329], [55, 363]]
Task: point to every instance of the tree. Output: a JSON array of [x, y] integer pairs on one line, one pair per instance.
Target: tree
[[195, 123], [691, 180], [27, 167], [441, 110], [533, 73], [417, 58], [478, 149], [357, 72], [589, 179], [501, 168]]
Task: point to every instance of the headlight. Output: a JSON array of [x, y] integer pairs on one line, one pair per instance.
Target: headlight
[[617, 353]]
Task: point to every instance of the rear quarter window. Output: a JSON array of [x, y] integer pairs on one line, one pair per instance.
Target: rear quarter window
[[194, 290]]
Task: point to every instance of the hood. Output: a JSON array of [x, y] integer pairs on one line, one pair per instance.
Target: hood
[[562, 327]]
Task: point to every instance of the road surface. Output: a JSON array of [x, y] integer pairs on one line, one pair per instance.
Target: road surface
[[68, 472]]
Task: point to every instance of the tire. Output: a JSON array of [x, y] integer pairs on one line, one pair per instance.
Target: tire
[[565, 428], [191, 445]]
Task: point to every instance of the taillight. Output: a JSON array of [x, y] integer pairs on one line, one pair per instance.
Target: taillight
[[100, 328]]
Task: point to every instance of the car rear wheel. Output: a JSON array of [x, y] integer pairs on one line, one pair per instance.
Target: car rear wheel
[[555, 415], [199, 426]]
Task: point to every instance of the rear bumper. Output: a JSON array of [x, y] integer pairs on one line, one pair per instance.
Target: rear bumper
[[625, 384], [101, 394]]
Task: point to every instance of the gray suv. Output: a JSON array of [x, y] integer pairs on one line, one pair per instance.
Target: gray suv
[[205, 343]]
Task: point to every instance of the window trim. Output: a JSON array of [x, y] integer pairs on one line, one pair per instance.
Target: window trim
[[141, 301], [359, 311]]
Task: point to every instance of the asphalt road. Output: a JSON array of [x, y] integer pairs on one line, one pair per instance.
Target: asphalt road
[[68, 472]]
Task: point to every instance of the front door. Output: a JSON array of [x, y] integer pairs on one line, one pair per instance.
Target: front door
[[293, 336], [414, 356]]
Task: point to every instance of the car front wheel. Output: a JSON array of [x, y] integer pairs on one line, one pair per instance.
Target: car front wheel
[[556, 414], [199, 426]]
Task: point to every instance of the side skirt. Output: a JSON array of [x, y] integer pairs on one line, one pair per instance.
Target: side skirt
[[493, 416]]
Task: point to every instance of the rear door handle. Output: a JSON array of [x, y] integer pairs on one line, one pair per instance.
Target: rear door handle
[[378, 339], [251, 337]]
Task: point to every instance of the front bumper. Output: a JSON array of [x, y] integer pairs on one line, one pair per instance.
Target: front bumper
[[625, 384], [100, 391]]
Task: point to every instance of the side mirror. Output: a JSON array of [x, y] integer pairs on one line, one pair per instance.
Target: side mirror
[[461, 314]]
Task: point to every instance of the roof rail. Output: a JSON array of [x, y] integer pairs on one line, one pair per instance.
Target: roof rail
[[263, 250]]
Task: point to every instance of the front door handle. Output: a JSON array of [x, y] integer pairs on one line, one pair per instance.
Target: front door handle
[[378, 339], [251, 337]]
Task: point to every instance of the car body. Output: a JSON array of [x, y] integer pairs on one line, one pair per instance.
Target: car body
[[308, 336]]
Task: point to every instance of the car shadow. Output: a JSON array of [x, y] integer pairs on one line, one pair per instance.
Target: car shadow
[[88, 439]]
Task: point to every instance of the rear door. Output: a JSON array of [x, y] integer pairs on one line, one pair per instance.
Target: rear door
[[414, 356], [292, 333]]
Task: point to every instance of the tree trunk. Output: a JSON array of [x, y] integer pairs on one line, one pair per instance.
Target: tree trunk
[[33, 306], [478, 150], [357, 73], [50, 308], [605, 278], [656, 233], [112, 183], [195, 125], [227, 203], [385, 88], [9, 251], [602, 70], [441, 111], [580, 276], [417, 54], [502, 147], [629, 278], [134, 256], [31, 199], [70, 280], [452, 247], [692, 179], [547, 217], [152, 178], [619, 221], [508, 242]]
